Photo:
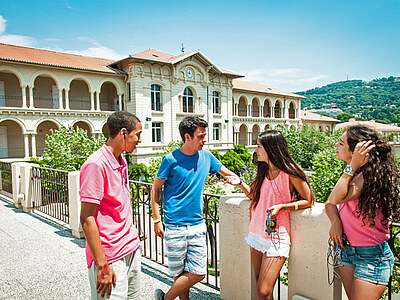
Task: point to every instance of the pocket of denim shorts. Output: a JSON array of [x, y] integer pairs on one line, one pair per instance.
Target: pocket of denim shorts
[[370, 253]]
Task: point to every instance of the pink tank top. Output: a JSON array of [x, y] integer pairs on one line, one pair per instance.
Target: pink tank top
[[357, 233], [272, 192]]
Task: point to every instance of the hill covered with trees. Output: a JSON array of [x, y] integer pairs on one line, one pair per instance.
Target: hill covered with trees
[[378, 99]]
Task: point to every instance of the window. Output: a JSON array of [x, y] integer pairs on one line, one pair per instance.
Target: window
[[216, 105], [155, 97], [156, 132], [129, 91], [216, 132], [188, 101]]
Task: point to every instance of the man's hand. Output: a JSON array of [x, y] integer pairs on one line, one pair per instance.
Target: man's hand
[[106, 279], [158, 229]]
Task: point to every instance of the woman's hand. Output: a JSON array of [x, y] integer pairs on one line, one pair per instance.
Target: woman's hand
[[361, 154], [336, 232], [232, 180], [275, 209]]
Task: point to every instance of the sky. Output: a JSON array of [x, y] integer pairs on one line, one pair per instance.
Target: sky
[[289, 45]]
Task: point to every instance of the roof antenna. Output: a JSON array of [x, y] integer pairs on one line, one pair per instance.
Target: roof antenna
[[183, 49]]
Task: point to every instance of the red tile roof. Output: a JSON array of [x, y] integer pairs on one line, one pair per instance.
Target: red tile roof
[[164, 57], [311, 116], [256, 87], [376, 125], [52, 58]]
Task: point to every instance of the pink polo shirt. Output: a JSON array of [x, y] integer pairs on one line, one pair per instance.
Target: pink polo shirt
[[104, 181]]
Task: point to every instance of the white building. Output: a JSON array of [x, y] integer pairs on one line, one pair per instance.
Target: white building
[[42, 90]]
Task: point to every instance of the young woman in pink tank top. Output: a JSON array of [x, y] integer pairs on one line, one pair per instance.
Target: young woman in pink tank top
[[278, 182], [368, 198]]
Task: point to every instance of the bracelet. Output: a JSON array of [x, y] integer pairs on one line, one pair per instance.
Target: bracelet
[[240, 181], [296, 206], [286, 207], [157, 221]]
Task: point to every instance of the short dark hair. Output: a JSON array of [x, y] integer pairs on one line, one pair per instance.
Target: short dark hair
[[189, 125], [119, 120]]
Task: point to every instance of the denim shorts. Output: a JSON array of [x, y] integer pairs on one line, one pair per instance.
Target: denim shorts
[[186, 249], [370, 263]]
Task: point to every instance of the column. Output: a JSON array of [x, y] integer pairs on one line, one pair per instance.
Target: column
[[92, 101], [23, 88], [26, 145], [273, 111], [60, 99], [33, 145], [119, 102], [285, 109], [31, 97], [97, 101], [66, 99]]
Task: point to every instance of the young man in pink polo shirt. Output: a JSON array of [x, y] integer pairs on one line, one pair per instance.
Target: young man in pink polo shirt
[[112, 242]]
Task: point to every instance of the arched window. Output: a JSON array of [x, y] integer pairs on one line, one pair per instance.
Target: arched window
[[156, 97], [292, 111], [277, 110], [216, 103], [188, 101]]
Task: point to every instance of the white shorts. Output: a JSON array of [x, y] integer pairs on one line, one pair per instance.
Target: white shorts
[[127, 271], [273, 248]]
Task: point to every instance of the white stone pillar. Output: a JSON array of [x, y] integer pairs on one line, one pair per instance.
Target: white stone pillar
[[33, 144], [30, 96], [23, 89], [66, 99], [97, 101], [92, 101], [307, 263], [237, 276], [60, 99], [286, 109], [119, 102], [26, 145], [16, 183], [74, 204], [27, 197]]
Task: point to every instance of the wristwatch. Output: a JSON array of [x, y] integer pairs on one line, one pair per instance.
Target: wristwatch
[[349, 170]]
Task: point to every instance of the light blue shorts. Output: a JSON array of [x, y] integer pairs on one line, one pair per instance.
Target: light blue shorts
[[370, 263], [186, 249]]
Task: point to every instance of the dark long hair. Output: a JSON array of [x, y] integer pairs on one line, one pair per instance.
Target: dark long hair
[[278, 154], [380, 190]]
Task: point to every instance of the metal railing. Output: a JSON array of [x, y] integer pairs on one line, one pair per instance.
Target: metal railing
[[154, 247], [394, 243], [50, 192], [6, 179], [11, 101]]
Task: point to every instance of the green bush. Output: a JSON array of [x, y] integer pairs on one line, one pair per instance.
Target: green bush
[[139, 172], [327, 171], [68, 148]]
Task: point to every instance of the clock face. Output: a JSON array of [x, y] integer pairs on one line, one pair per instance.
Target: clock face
[[189, 73]]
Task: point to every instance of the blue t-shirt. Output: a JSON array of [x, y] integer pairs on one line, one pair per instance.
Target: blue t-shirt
[[185, 177]]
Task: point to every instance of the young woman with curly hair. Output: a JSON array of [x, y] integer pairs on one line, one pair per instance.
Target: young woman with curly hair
[[280, 185], [368, 198]]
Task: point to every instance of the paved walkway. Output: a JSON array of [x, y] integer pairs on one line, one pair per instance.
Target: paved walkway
[[39, 259]]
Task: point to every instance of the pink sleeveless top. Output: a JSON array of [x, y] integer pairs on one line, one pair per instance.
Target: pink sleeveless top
[[357, 233], [272, 192]]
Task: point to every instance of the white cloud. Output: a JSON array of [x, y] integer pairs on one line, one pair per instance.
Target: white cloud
[[287, 79], [20, 40], [3, 24], [98, 51]]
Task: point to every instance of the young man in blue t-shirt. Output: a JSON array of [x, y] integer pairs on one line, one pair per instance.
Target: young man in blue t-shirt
[[183, 174]]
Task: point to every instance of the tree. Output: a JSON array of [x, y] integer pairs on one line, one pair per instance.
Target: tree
[[68, 148]]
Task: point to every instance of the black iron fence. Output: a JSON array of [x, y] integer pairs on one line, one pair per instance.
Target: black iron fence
[[50, 192], [154, 247], [6, 179], [394, 242]]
